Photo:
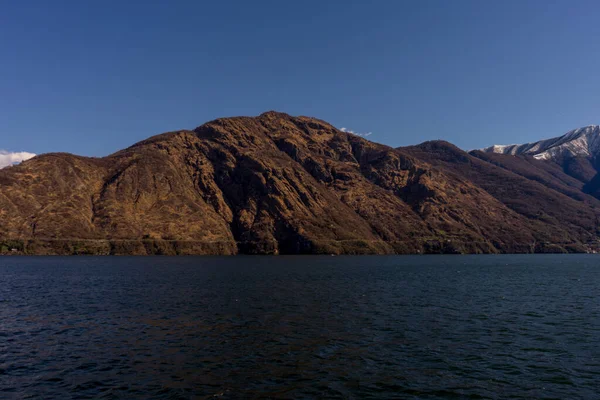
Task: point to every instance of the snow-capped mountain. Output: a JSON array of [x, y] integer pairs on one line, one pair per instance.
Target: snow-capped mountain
[[582, 142]]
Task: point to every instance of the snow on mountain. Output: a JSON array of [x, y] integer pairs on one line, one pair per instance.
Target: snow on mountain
[[581, 142]]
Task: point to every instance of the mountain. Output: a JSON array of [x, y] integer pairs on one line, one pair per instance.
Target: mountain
[[582, 142], [576, 152], [277, 184], [556, 208]]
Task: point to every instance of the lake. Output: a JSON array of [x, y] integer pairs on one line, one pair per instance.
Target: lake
[[408, 327]]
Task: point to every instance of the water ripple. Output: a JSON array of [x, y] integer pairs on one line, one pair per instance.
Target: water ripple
[[516, 327]]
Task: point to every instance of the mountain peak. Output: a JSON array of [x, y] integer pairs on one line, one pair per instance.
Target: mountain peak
[[274, 114], [580, 142]]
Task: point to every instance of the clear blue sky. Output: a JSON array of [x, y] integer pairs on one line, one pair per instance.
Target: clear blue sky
[[91, 77]]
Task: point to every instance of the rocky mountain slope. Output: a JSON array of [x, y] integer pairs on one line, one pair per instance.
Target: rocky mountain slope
[[577, 153], [277, 184]]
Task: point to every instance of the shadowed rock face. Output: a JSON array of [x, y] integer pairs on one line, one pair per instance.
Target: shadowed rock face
[[289, 185]]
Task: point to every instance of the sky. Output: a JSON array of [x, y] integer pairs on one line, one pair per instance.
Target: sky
[[92, 77]]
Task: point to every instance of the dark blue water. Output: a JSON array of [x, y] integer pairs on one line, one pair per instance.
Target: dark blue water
[[442, 327]]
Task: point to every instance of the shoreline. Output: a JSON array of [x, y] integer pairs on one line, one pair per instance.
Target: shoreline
[[163, 247]]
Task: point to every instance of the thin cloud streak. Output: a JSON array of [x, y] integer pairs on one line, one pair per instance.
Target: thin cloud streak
[[356, 133]]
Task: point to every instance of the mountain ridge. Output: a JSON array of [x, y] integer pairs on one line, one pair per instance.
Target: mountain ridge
[[278, 184], [580, 142], [577, 152]]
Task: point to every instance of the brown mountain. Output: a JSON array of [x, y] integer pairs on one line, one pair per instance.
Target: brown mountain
[[282, 184]]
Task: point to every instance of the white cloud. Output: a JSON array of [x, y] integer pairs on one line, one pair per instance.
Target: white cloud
[[7, 158], [356, 133]]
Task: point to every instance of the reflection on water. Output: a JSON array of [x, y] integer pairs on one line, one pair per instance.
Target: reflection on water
[[300, 327]]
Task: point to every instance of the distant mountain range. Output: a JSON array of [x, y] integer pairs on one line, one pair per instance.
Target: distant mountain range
[[576, 152], [582, 142], [277, 184]]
